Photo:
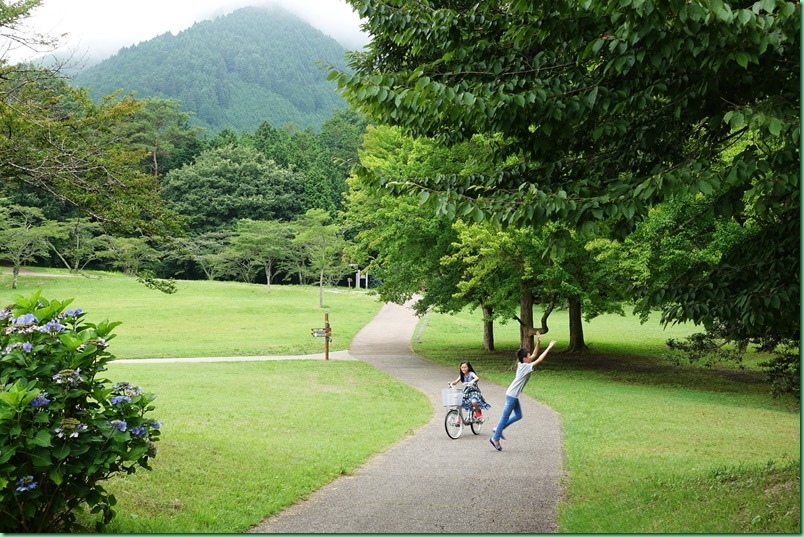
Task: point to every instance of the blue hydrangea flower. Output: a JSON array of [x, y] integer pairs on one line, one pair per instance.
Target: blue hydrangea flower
[[27, 347], [28, 318], [52, 326], [120, 399], [40, 400], [139, 431], [73, 313], [119, 425], [26, 483]]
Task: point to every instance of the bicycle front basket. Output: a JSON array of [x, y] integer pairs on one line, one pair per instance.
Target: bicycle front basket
[[452, 396]]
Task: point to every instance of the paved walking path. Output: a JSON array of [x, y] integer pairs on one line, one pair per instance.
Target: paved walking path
[[429, 483]]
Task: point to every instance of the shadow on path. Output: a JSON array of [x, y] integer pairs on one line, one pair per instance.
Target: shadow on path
[[429, 483]]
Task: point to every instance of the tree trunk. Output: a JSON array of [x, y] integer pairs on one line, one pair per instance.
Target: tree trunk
[[577, 343], [526, 319], [321, 289], [268, 275], [529, 329], [488, 328], [15, 272]]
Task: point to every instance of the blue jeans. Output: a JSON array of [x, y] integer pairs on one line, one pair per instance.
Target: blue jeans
[[511, 405]]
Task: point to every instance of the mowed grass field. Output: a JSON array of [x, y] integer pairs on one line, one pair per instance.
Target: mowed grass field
[[650, 447], [204, 318]]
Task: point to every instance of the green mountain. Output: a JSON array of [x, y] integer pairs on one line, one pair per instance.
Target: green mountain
[[235, 71]]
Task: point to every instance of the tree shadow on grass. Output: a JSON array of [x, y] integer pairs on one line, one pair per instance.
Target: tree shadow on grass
[[644, 371]]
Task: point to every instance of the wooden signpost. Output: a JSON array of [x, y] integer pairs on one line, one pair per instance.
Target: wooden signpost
[[325, 333]]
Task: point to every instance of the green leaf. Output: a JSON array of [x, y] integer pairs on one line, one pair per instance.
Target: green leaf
[[704, 187], [42, 439], [592, 96], [742, 59], [55, 475], [61, 452], [41, 458], [775, 126]]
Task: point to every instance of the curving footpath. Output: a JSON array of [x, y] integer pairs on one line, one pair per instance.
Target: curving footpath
[[429, 483]]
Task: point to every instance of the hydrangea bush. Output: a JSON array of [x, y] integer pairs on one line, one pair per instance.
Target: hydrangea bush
[[63, 428]]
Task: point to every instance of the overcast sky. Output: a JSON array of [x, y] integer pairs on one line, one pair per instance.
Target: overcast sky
[[99, 28]]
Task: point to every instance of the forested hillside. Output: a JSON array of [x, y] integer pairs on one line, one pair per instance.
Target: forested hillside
[[236, 71]]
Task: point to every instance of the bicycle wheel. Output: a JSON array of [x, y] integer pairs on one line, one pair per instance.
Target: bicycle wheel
[[453, 423], [476, 425]]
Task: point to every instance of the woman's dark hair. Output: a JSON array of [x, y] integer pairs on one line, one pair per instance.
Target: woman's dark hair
[[521, 353], [469, 366]]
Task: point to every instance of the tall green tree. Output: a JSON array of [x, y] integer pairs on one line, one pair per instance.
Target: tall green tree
[[321, 244], [229, 183], [132, 255], [205, 250], [397, 240], [603, 110], [265, 243], [23, 237], [164, 133], [78, 242]]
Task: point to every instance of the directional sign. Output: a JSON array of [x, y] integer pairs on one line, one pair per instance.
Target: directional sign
[[320, 332]]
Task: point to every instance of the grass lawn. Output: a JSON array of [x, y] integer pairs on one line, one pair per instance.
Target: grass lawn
[[651, 447], [243, 440], [204, 318]]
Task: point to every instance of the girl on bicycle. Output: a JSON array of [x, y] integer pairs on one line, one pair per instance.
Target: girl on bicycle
[[472, 397]]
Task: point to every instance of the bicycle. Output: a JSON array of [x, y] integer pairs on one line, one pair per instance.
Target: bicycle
[[457, 416]]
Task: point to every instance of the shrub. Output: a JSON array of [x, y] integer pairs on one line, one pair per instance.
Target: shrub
[[63, 429]]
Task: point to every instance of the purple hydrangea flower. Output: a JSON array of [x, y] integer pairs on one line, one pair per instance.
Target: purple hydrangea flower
[[27, 347]]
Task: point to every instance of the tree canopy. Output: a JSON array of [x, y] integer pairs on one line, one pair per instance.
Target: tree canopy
[[54, 139], [604, 110]]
